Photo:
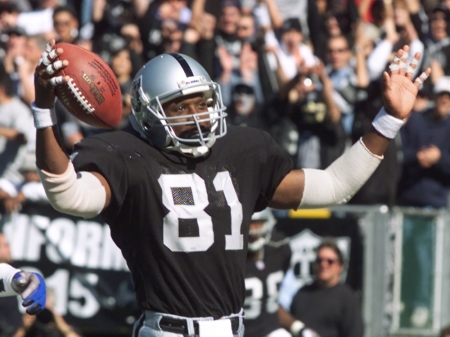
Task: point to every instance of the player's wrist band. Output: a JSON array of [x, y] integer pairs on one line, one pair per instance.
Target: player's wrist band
[[43, 118], [296, 327], [387, 124]]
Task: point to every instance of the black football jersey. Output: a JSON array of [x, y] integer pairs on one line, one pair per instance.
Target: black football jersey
[[182, 223], [262, 282]]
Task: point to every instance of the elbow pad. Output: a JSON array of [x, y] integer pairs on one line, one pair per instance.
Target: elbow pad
[[339, 182], [79, 194]]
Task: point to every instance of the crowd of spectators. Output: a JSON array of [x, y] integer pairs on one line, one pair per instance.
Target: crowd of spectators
[[309, 72]]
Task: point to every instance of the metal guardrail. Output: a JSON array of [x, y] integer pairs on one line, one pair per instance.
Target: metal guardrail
[[385, 305]]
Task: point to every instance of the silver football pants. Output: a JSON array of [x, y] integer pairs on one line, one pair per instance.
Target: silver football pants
[[155, 324]]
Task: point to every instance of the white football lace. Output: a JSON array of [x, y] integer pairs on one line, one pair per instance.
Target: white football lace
[[80, 97]]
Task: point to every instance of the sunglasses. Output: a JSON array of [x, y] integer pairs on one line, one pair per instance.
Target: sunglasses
[[319, 261], [339, 50], [61, 23]]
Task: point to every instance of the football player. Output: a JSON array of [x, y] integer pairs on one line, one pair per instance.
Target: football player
[[179, 194], [268, 259], [30, 286]]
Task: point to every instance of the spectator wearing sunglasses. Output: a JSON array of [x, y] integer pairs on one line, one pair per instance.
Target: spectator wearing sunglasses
[[327, 306], [66, 24]]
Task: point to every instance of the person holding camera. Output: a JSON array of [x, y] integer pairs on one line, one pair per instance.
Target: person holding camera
[[310, 105]]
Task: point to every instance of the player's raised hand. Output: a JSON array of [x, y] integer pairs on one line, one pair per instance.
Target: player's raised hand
[[31, 287], [44, 75], [400, 91]]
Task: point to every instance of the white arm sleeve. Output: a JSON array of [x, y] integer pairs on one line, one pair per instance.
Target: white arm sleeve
[[341, 180], [79, 194], [6, 275]]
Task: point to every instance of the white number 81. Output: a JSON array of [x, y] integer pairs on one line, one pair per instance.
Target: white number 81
[[222, 182]]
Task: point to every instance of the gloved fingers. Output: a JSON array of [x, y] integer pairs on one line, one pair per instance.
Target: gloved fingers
[[28, 302], [20, 281], [34, 296], [34, 309], [33, 283]]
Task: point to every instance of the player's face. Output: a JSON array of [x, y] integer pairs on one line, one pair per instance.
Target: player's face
[[185, 107], [328, 267]]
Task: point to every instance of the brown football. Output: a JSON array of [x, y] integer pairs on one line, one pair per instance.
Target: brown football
[[93, 93]]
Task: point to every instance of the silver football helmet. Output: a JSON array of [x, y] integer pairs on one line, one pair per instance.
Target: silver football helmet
[[167, 77], [261, 235]]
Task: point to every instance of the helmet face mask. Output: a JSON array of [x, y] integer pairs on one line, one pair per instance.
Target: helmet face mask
[[261, 235], [164, 79]]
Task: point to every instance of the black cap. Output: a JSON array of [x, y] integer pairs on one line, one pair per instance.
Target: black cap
[[291, 24], [9, 7], [16, 30], [231, 3], [440, 8], [242, 88]]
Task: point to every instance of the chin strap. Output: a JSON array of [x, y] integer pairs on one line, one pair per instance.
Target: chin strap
[[194, 151]]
